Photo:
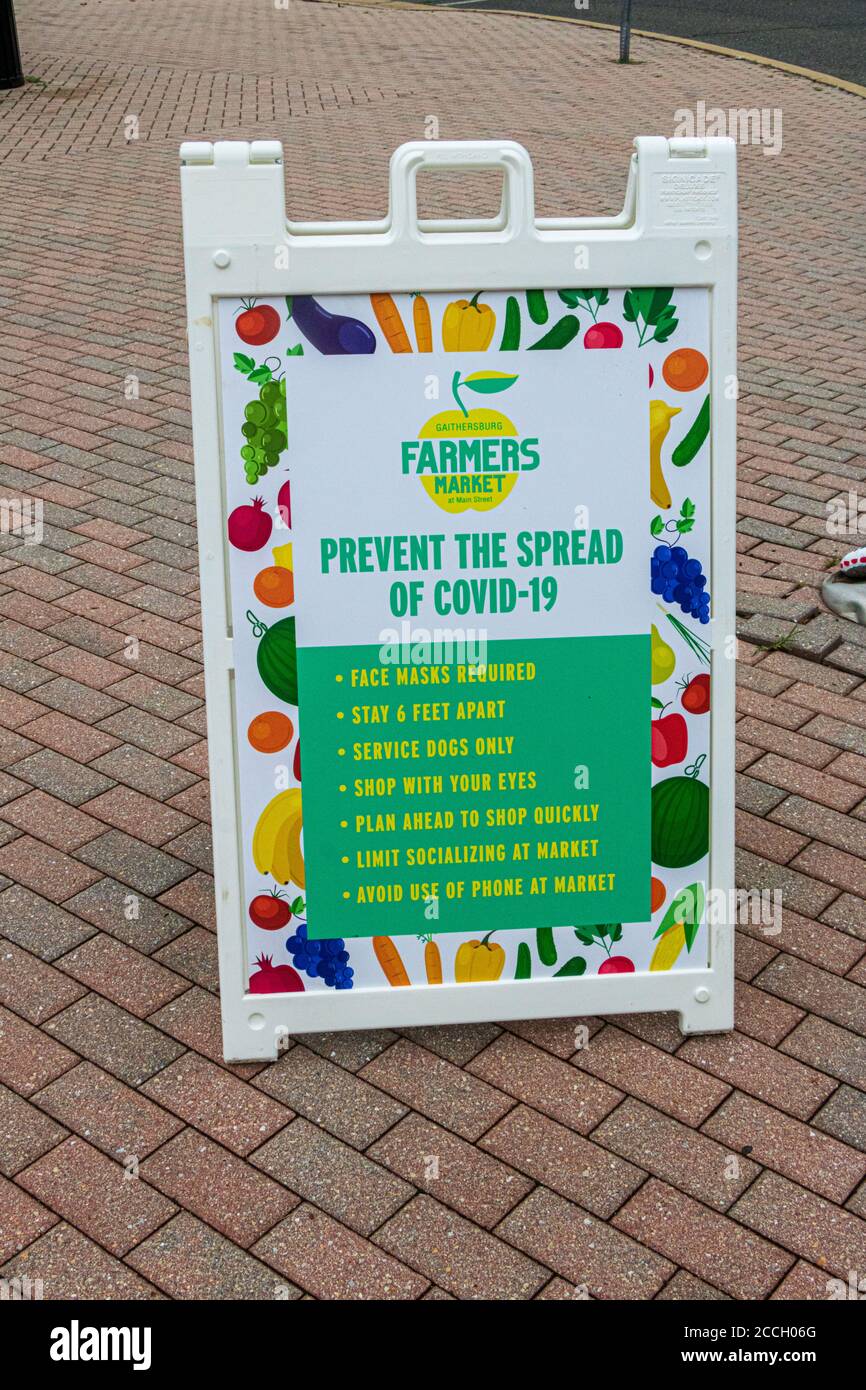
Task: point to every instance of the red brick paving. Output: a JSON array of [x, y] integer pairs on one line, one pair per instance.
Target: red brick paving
[[636, 1165]]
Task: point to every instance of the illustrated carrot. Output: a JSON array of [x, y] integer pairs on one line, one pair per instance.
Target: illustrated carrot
[[389, 958], [423, 326], [390, 322], [432, 962]]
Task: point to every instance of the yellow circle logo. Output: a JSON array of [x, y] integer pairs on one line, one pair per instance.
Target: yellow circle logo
[[469, 460]]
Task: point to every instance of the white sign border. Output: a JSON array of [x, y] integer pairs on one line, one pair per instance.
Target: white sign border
[[678, 227]]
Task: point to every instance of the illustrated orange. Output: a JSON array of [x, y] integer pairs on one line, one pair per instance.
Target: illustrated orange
[[685, 369], [271, 731], [658, 894], [275, 586]]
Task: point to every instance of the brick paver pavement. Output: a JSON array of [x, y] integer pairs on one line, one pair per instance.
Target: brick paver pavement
[[308, 1175]]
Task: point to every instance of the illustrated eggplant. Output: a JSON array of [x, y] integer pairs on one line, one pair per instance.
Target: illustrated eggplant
[[332, 334]]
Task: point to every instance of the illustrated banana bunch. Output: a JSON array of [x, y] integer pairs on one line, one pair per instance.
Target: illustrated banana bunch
[[277, 839]]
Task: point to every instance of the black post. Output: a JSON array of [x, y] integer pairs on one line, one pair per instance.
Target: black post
[[624, 31], [10, 54]]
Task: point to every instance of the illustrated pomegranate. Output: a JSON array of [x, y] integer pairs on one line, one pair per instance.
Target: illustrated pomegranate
[[250, 527], [274, 979]]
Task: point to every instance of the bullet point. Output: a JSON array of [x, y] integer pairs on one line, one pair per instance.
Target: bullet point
[[343, 824], [347, 895], [345, 858], [340, 714], [338, 679], [342, 752], [342, 787]]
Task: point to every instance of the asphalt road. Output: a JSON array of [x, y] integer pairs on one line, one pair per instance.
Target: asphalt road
[[827, 35]]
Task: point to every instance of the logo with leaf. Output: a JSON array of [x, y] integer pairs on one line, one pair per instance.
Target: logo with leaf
[[450, 469], [485, 383]]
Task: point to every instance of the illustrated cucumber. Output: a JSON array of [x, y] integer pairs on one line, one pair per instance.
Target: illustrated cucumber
[[575, 966], [545, 945], [537, 306], [511, 333], [524, 962], [691, 443], [560, 335]]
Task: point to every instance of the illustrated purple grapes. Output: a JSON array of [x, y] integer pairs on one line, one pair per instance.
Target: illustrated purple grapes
[[678, 578], [323, 960]]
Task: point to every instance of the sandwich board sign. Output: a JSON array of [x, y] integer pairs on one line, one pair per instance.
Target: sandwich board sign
[[465, 499]]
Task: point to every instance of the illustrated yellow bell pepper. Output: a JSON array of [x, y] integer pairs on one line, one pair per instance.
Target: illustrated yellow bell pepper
[[467, 326], [479, 960]]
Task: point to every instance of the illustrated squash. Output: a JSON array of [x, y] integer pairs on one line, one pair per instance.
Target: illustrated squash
[[277, 657], [681, 819]]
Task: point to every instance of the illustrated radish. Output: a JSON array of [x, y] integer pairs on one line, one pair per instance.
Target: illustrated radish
[[284, 504], [274, 979], [270, 911], [652, 375], [250, 526], [603, 335], [258, 324], [616, 965], [296, 761]]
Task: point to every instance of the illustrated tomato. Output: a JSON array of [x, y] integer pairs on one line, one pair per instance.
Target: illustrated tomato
[[270, 911], [696, 695], [258, 324], [670, 740]]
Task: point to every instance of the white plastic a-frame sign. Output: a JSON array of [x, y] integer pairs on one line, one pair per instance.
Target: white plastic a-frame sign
[[466, 513]]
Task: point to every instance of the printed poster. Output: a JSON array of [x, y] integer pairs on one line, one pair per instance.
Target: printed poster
[[469, 557]]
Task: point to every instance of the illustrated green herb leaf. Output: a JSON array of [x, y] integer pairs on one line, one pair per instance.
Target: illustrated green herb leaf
[[585, 299], [664, 331], [260, 376], [688, 507], [657, 526], [297, 906], [296, 351], [656, 702], [650, 309], [589, 935], [243, 363]]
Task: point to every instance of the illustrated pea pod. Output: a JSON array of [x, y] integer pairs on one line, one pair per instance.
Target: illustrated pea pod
[[691, 443]]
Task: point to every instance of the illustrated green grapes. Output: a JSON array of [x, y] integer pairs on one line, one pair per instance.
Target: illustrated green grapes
[[264, 430]]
